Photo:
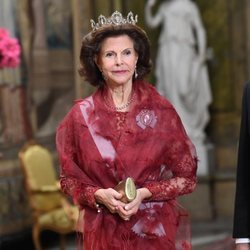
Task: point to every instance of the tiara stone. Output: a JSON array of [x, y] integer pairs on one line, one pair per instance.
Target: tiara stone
[[115, 19]]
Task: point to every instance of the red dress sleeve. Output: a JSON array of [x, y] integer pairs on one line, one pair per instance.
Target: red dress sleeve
[[81, 193], [181, 159]]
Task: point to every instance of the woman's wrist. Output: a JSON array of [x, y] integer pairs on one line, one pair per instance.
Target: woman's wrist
[[98, 200], [145, 193]]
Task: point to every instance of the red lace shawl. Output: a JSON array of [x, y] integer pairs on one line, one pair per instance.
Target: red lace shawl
[[151, 146]]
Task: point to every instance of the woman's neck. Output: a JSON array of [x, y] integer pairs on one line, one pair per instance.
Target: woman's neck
[[120, 94]]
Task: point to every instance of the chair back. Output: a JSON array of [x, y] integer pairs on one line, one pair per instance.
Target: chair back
[[40, 177]]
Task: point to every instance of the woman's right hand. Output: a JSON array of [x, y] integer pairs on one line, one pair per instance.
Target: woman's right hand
[[110, 198]]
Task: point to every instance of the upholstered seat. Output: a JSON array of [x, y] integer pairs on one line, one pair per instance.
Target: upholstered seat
[[50, 209]]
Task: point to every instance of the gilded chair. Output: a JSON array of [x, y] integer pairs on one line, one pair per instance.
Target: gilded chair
[[50, 209]]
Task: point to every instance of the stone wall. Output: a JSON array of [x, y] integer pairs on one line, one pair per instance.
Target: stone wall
[[227, 25]]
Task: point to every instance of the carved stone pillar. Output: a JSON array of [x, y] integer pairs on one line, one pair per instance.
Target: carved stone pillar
[[40, 64]]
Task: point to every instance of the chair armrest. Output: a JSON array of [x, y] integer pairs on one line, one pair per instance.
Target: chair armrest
[[58, 184], [47, 189], [70, 209], [50, 188]]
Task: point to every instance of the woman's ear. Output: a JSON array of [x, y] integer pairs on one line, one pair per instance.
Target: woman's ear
[[96, 62]]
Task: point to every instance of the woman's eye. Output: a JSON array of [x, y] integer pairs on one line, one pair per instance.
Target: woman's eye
[[127, 52], [109, 54]]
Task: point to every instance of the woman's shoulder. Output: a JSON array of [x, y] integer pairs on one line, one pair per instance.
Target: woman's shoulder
[[71, 115], [75, 112], [155, 97], [75, 106], [87, 101]]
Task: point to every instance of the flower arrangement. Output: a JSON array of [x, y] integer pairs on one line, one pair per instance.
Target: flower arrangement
[[9, 50]]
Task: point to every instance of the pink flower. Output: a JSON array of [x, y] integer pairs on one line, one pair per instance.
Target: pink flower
[[3, 33], [9, 50]]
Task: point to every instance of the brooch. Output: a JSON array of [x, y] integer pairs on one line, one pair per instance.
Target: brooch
[[146, 118]]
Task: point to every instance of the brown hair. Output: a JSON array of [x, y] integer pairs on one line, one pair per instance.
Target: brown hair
[[91, 46]]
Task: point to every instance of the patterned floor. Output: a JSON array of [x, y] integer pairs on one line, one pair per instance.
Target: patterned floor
[[214, 242], [206, 236], [210, 242], [221, 241], [213, 236]]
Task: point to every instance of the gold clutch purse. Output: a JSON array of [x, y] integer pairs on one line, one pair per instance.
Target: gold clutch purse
[[127, 188]]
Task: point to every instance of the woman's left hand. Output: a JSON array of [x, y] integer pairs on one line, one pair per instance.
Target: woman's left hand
[[131, 208]]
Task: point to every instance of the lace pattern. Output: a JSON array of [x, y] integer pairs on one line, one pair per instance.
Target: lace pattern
[[160, 158]]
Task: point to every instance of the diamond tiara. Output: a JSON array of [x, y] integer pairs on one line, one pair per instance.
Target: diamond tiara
[[115, 19]]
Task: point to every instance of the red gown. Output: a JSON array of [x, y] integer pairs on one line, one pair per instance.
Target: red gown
[[98, 147]]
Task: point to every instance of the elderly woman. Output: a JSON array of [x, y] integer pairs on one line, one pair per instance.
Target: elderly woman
[[125, 131]]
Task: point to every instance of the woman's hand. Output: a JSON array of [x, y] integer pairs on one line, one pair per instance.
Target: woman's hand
[[243, 246], [110, 198], [131, 208]]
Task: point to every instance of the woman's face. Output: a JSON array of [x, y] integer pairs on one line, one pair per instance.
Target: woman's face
[[117, 60]]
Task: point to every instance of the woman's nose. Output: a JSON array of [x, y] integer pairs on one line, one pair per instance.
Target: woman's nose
[[119, 60]]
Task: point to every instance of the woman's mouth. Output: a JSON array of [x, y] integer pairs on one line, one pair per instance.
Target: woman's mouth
[[119, 72]]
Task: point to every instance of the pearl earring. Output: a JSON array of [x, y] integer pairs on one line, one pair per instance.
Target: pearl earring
[[136, 75], [103, 76]]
